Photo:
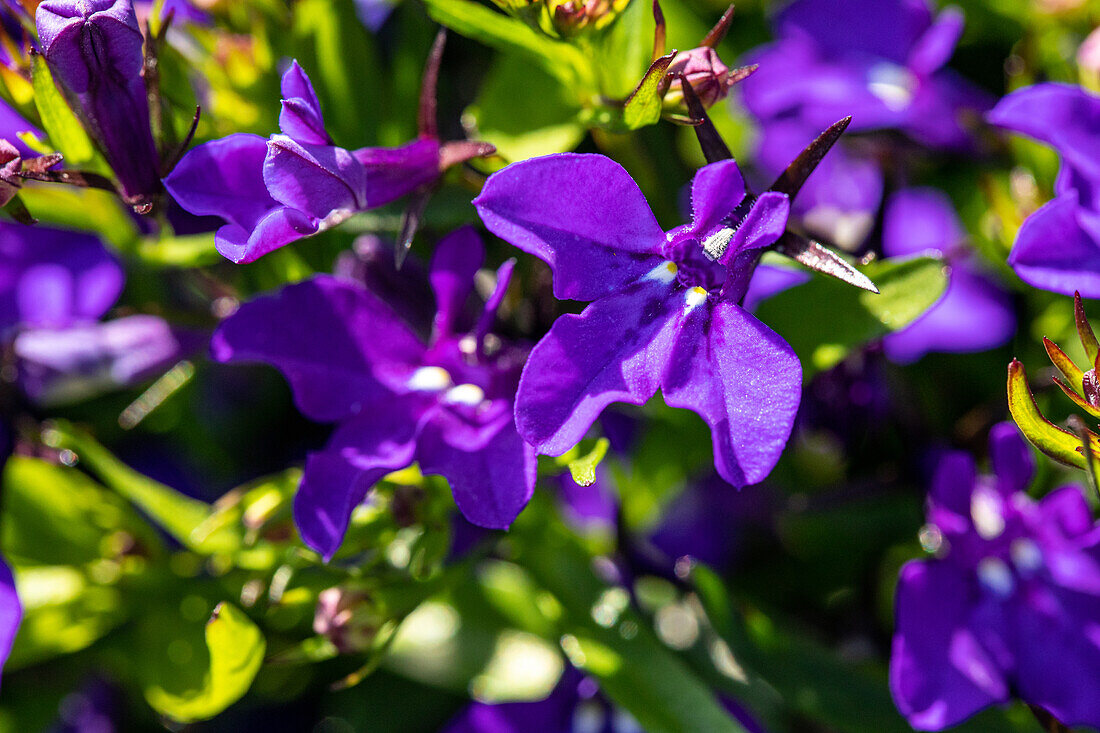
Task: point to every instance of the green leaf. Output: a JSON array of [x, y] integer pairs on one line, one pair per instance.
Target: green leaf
[[510, 35], [823, 319], [643, 106], [56, 515], [82, 208], [540, 121], [236, 649], [583, 469], [193, 250], [64, 129], [179, 515], [1061, 445]]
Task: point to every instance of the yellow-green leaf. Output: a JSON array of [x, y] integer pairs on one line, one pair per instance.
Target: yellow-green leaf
[[1061, 445]]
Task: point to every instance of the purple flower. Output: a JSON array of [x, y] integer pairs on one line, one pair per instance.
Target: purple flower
[[1009, 606], [974, 314], [54, 287], [295, 184], [1058, 247], [94, 49], [11, 611], [662, 313], [880, 61], [446, 403]]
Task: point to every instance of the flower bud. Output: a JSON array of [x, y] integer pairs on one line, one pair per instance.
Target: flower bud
[[709, 77], [347, 617], [94, 50]]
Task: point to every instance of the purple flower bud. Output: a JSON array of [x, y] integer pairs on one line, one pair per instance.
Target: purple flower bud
[[709, 77], [93, 48]]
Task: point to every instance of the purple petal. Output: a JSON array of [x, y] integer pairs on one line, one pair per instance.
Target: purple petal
[[394, 172], [1058, 655], [279, 227], [742, 379], [492, 303], [1064, 513], [373, 13], [334, 341], [224, 178], [953, 483], [319, 180], [939, 673], [973, 315], [919, 219], [763, 225], [61, 366], [11, 124], [716, 191], [615, 351], [407, 290], [1012, 459], [1062, 115], [456, 260], [52, 278], [491, 484], [11, 611], [358, 455], [1053, 252], [582, 214], [883, 28], [301, 117], [935, 46]]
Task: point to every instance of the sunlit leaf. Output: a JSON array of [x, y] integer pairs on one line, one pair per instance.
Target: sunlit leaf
[[1061, 445]]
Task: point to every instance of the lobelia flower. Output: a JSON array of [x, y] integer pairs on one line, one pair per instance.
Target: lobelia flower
[[54, 286], [974, 314], [1058, 247], [94, 50], [298, 183], [1008, 606], [445, 403], [661, 313], [880, 61]]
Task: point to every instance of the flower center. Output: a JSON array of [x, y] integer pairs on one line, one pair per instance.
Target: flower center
[[430, 379]]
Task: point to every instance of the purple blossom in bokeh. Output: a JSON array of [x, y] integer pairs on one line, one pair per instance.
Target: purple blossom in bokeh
[[55, 285], [94, 50], [1058, 247], [663, 314], [445, 403], [299, 182], [974, 313], [1009, 606], [880, 61]]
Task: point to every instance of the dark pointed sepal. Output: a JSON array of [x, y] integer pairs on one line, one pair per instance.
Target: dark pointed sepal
[[17, 210], [718, 32], [714, 147], [1084, 330], [1077, 399], [168, 162], [791, 180], [1065, 365], [410, 222], [426, 123], [658, 31], [813, 255], [643, 106]]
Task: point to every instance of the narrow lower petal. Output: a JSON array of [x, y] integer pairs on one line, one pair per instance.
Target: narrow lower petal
[[743, 380], [454, 263], [615, 351], [337, 478], [1012, 459], [934, 47], [492, 484], [939, 673], [1053, 252], [920, 219], [763, 225], [333, 340], [953, 482], [581, 214], [281, 226]]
